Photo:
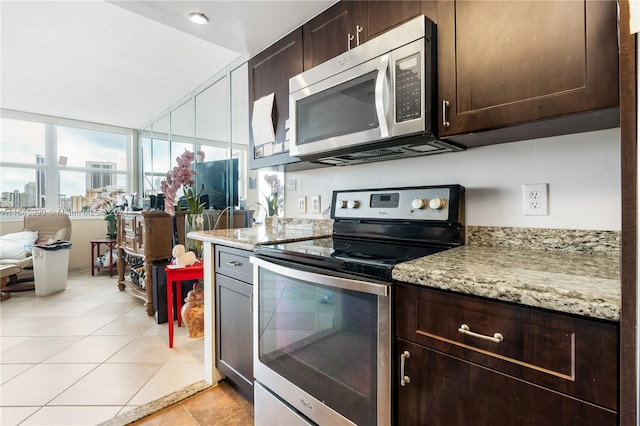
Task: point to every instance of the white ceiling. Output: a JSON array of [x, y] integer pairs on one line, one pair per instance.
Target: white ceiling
[[124, 62]]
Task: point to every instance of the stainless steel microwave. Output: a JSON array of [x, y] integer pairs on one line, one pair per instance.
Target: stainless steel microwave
[[374, 102]]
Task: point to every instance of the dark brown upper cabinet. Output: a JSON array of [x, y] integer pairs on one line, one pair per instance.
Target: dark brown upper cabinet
[[515, 70], [347, 24], [332, 32], [269, 72], [324, 37]]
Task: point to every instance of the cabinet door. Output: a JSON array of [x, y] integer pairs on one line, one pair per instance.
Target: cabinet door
[[448, 391], [348, 23], [329, 34], [269, 72], [569, 354], [234, 332], [384, 15], [506, 63]]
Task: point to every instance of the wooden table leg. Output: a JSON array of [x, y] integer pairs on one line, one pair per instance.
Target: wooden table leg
[[93, 259]]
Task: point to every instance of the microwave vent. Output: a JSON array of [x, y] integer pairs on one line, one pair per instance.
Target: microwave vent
[[409, 149], [373, 153]]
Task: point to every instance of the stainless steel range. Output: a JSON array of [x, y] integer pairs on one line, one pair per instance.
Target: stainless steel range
[[322, 320]]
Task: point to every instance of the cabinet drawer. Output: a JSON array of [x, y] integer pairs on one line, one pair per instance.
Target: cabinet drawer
[[234, 263], [130, 224], [131, 242], [564, 352]]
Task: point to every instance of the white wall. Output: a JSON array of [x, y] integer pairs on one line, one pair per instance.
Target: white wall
[[582, 170]]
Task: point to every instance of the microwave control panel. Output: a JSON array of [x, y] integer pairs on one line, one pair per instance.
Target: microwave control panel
[[435, 203], [408, 88]]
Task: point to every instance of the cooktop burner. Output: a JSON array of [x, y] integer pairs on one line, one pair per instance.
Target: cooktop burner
[[374, 230], [371, 259]]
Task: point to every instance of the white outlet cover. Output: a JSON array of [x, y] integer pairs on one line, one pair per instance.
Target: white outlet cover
[[302, 205], [315, 204], [535, 199]]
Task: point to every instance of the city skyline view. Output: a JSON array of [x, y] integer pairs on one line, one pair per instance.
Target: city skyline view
[[75, 151]]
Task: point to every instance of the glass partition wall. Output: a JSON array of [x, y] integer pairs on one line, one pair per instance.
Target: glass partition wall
[[212, 119]]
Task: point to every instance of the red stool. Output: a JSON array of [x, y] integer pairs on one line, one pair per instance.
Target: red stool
[[178, 274]]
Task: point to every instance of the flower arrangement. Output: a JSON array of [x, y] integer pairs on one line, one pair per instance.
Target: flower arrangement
[[182, 175], [275, 198], [107, 204]]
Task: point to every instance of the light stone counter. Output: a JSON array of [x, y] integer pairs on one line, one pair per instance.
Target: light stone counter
[[282, 231], [575, 283]]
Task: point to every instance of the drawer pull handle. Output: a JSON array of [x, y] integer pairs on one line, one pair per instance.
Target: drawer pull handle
[[445, 105], [404, 379], [233, 263], [497, 337]]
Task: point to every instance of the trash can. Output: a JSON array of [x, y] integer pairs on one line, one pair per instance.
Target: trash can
[[50, 267]]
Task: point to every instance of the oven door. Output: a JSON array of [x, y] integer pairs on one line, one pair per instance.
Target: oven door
[[322, 343]]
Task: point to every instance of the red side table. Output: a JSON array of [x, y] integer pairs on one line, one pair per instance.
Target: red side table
[[111, 244], [178, 274]]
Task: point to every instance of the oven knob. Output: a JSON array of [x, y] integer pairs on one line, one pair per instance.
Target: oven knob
[[418, 203], [342, 204], [436, 203], [353, 204]]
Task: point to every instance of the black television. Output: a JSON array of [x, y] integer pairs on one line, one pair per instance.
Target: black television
[[218, 181]]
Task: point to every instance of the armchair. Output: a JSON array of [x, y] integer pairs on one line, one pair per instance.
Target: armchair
[[50, 227]]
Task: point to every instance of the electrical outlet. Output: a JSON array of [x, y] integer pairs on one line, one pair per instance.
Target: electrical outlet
[[302, 205], [315, 204], [534, 199]]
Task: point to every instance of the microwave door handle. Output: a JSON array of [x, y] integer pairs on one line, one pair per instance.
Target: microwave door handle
[[382, 82]]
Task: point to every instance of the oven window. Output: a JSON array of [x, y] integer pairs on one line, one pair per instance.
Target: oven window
[[323, 340], [342, 110]]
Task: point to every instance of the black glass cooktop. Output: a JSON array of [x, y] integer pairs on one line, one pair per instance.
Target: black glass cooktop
[[368, 258]]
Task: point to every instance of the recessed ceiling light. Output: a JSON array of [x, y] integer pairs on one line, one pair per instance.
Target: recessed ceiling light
[[198, 18]]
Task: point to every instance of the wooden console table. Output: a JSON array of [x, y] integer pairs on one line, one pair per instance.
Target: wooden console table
[[147, 237]]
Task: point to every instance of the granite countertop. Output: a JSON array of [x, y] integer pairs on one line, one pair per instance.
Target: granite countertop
[[576, 283], [248, 238], [560, 270]]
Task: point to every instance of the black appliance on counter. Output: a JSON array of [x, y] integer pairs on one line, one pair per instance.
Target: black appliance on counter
[[322, 320]]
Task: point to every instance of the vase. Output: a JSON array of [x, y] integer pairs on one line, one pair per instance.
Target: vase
[[112, 226], [192, 312], [268, 222], [193, 222]]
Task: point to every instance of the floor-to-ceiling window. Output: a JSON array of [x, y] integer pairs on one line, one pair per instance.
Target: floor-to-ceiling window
[[59, 164], [198, 123]]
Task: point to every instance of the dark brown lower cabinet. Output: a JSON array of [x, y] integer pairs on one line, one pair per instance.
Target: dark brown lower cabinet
[[234, 337], [477, 361], [446, 391]]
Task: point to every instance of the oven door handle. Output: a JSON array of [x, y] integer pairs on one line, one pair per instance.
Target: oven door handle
[[328, 280]]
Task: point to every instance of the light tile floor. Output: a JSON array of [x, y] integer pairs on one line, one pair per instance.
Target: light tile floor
[[87, 354]]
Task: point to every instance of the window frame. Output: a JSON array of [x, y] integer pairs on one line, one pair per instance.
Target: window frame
[[51, 166]]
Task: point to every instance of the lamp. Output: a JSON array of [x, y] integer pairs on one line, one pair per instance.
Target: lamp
[[198, 18]]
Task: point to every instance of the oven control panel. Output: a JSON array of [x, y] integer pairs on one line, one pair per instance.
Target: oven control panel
[[428, 203]]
